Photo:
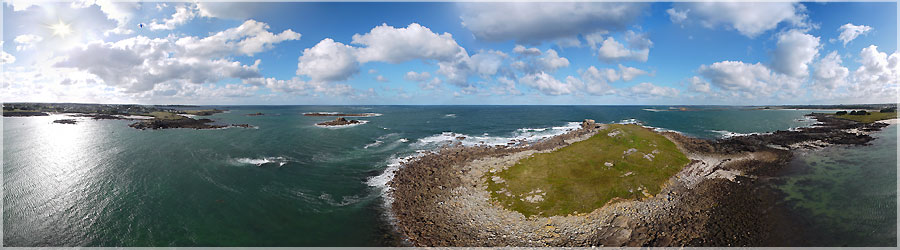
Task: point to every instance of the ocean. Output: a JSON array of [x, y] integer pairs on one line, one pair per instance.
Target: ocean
[[288, 182]]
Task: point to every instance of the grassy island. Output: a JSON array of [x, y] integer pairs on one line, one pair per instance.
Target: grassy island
[[619, 162]]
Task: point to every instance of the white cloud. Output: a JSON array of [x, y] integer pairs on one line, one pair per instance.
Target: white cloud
[[749, 19], [793, 53], [249, 38], [506, 86], [612, 51], [6, 58], [629, 73], [637, 40], [850, 32], [27, 41], [487, 63], [677, 16], [328, 61], [752, 80], [698, 85], [536, 22], [877, 69], [228, 10], [596, 82], [435, 83], [121, 12], [297, 86], [395, 45], [549, 61], [549, 85], [416, 77], [829, 73], [519, 49], [137, 64], [647, 89], [373, 71], [183, 14], [381, 78]]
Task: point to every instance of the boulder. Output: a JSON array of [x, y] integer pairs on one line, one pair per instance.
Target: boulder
[[588, 124]]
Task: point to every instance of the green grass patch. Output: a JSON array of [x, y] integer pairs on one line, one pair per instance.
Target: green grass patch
[[869, 118], [620, 161], [165, 115]]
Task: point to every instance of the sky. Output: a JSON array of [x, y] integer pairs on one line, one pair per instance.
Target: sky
[[448, 53]]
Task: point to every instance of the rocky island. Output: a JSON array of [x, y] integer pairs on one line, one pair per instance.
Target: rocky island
[[340, 121], [65, 121], [665, 189], [341, 114]]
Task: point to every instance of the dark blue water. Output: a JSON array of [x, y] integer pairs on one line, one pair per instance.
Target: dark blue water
[[285, 183]]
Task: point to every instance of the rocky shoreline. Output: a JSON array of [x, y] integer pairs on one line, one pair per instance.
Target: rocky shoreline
[[340, 121], [719, 199]]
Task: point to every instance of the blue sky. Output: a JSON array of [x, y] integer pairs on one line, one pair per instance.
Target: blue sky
[[450, 53]]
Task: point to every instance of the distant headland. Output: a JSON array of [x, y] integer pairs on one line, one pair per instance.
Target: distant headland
[[145, 116]]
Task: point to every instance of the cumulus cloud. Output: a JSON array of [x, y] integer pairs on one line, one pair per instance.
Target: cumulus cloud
[[629, 73], [612, 51], [536, 22], [596, 81], [505, 86], [228, 10], [183, 14], [6, 58], [793, 53], [877, 69], [829, 72], [28, 41], [120, 12], [249, 38], [850, 32], [751, 80], [677, 16], [549, 85], [519, 49], [298, 86], [416, 76], [488, 63], [549, 61], [698, 85], [328, 61], [137, 64], [395, 45], [381, 78], [749, 19], [646, 89]]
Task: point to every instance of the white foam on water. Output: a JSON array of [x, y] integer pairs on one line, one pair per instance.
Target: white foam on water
[[527, 134], [403, 140], [260, 161], [374, 144], [450, 115], [725, 134]]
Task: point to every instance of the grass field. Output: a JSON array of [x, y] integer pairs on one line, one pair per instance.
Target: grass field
[[872, 117], [166, 115], [621, 161]]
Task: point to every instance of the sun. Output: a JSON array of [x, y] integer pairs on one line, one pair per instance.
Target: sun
[[61, 29]]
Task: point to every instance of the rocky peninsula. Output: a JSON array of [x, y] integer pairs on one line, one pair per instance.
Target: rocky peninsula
[[720, 198]]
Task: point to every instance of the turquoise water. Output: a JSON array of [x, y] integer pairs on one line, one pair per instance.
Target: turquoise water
[[847, 194], [286, 183]]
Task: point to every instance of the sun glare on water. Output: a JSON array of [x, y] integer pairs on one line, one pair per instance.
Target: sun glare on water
[[61, 29]]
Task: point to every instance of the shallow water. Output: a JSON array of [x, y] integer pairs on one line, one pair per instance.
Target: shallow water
[[847, 194], [285, 183]]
